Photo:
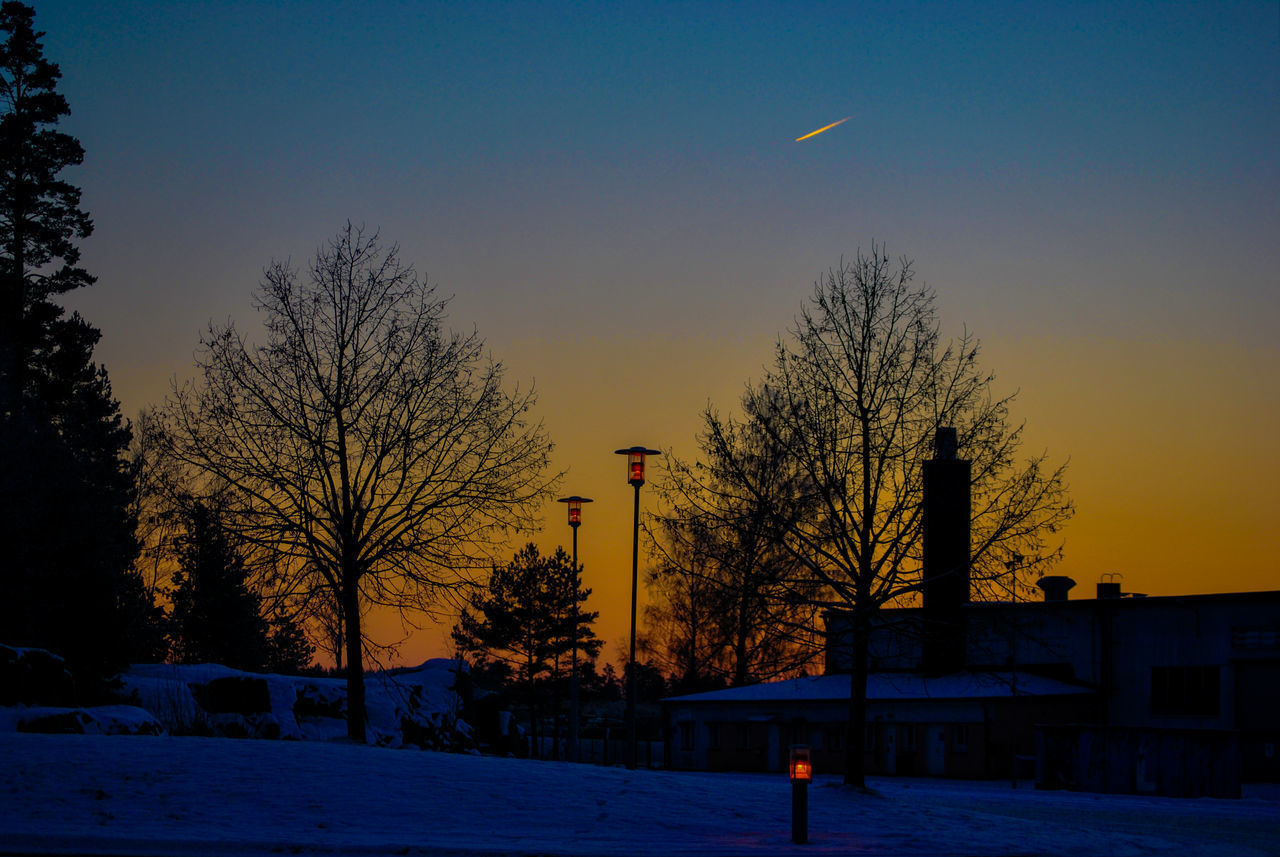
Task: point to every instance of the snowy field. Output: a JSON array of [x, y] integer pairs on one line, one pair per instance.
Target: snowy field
[[187, 797]]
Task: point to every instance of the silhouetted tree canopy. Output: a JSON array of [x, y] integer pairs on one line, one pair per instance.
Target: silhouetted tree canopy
[[728, 605], [524, 618], [852, 403], [216, 617], [67, 540], [374, 452], [40, 213]]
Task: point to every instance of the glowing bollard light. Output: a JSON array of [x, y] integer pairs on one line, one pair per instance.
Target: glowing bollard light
[[801, 775]]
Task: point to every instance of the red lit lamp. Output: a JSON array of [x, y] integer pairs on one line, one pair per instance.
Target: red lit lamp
[[575, 508], [635, 462], [801, 765]]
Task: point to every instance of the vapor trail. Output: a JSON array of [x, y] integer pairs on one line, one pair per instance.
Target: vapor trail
[[823, 128]]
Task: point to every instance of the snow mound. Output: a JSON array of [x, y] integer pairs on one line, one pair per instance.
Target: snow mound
[[97, 720], [415, 706]]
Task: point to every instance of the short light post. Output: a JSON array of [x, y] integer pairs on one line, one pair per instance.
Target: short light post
[[801, 770], [635, 475], [575, 519]]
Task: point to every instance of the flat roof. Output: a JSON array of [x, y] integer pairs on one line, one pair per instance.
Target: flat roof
[[890, 687], [1127, 600]]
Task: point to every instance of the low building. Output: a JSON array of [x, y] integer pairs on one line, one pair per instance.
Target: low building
[[1201, 662], [959, 688], [948, 725]]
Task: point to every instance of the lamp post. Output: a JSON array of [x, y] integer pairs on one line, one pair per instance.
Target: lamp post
[[575, 518], [635, 475]]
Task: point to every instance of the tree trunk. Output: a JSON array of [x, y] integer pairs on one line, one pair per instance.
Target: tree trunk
[[12, 329], [855, 735], [533, 711], [555, 712], [740, 643], [355, 663]]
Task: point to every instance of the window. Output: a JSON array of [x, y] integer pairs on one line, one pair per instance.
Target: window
[[744, 736], [909, 739], [1185, 690], [686, 734], [960, 738], [713, 736]]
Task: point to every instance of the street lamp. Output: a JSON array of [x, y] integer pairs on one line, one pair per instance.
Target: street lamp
[[575, 519], [635, 475]]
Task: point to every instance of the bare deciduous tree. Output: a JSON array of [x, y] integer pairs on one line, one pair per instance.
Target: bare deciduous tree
[[854, 400], [730, 606], [367, 445]]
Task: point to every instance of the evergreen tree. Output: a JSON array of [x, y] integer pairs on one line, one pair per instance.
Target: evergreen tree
[[216, 616], [289, 652], [525, 619], [67, 541], [40, 214]]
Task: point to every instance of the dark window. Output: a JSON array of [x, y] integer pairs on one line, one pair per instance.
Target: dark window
[[909, 738], [744, 736], [1185, 690], [713, 736], [686, 735], [960, 739]]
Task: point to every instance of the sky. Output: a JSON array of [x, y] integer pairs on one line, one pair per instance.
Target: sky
[[614, 196]]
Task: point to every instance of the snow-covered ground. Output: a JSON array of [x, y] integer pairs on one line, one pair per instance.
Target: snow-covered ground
[[163, 795]]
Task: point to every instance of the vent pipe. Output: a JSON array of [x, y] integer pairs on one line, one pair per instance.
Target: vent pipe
[[1055, 586], [1109, 586]]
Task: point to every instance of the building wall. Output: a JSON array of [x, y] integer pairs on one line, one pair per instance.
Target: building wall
[[1125, 647], [1200, 662], [937, 737]]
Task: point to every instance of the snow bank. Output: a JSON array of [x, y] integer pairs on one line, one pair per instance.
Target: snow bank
[[96, 720], [406, 707]]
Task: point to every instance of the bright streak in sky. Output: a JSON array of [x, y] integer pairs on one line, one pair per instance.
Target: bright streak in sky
[[823, 128]]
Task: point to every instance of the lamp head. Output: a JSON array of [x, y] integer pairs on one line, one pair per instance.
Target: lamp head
[[575, 508], [635, 462], [801, 768]]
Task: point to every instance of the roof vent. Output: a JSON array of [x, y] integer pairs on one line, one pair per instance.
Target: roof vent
[[1055, 587], [1109, 585]]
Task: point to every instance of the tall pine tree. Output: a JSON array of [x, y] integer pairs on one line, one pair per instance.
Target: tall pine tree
[[67, 540]]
